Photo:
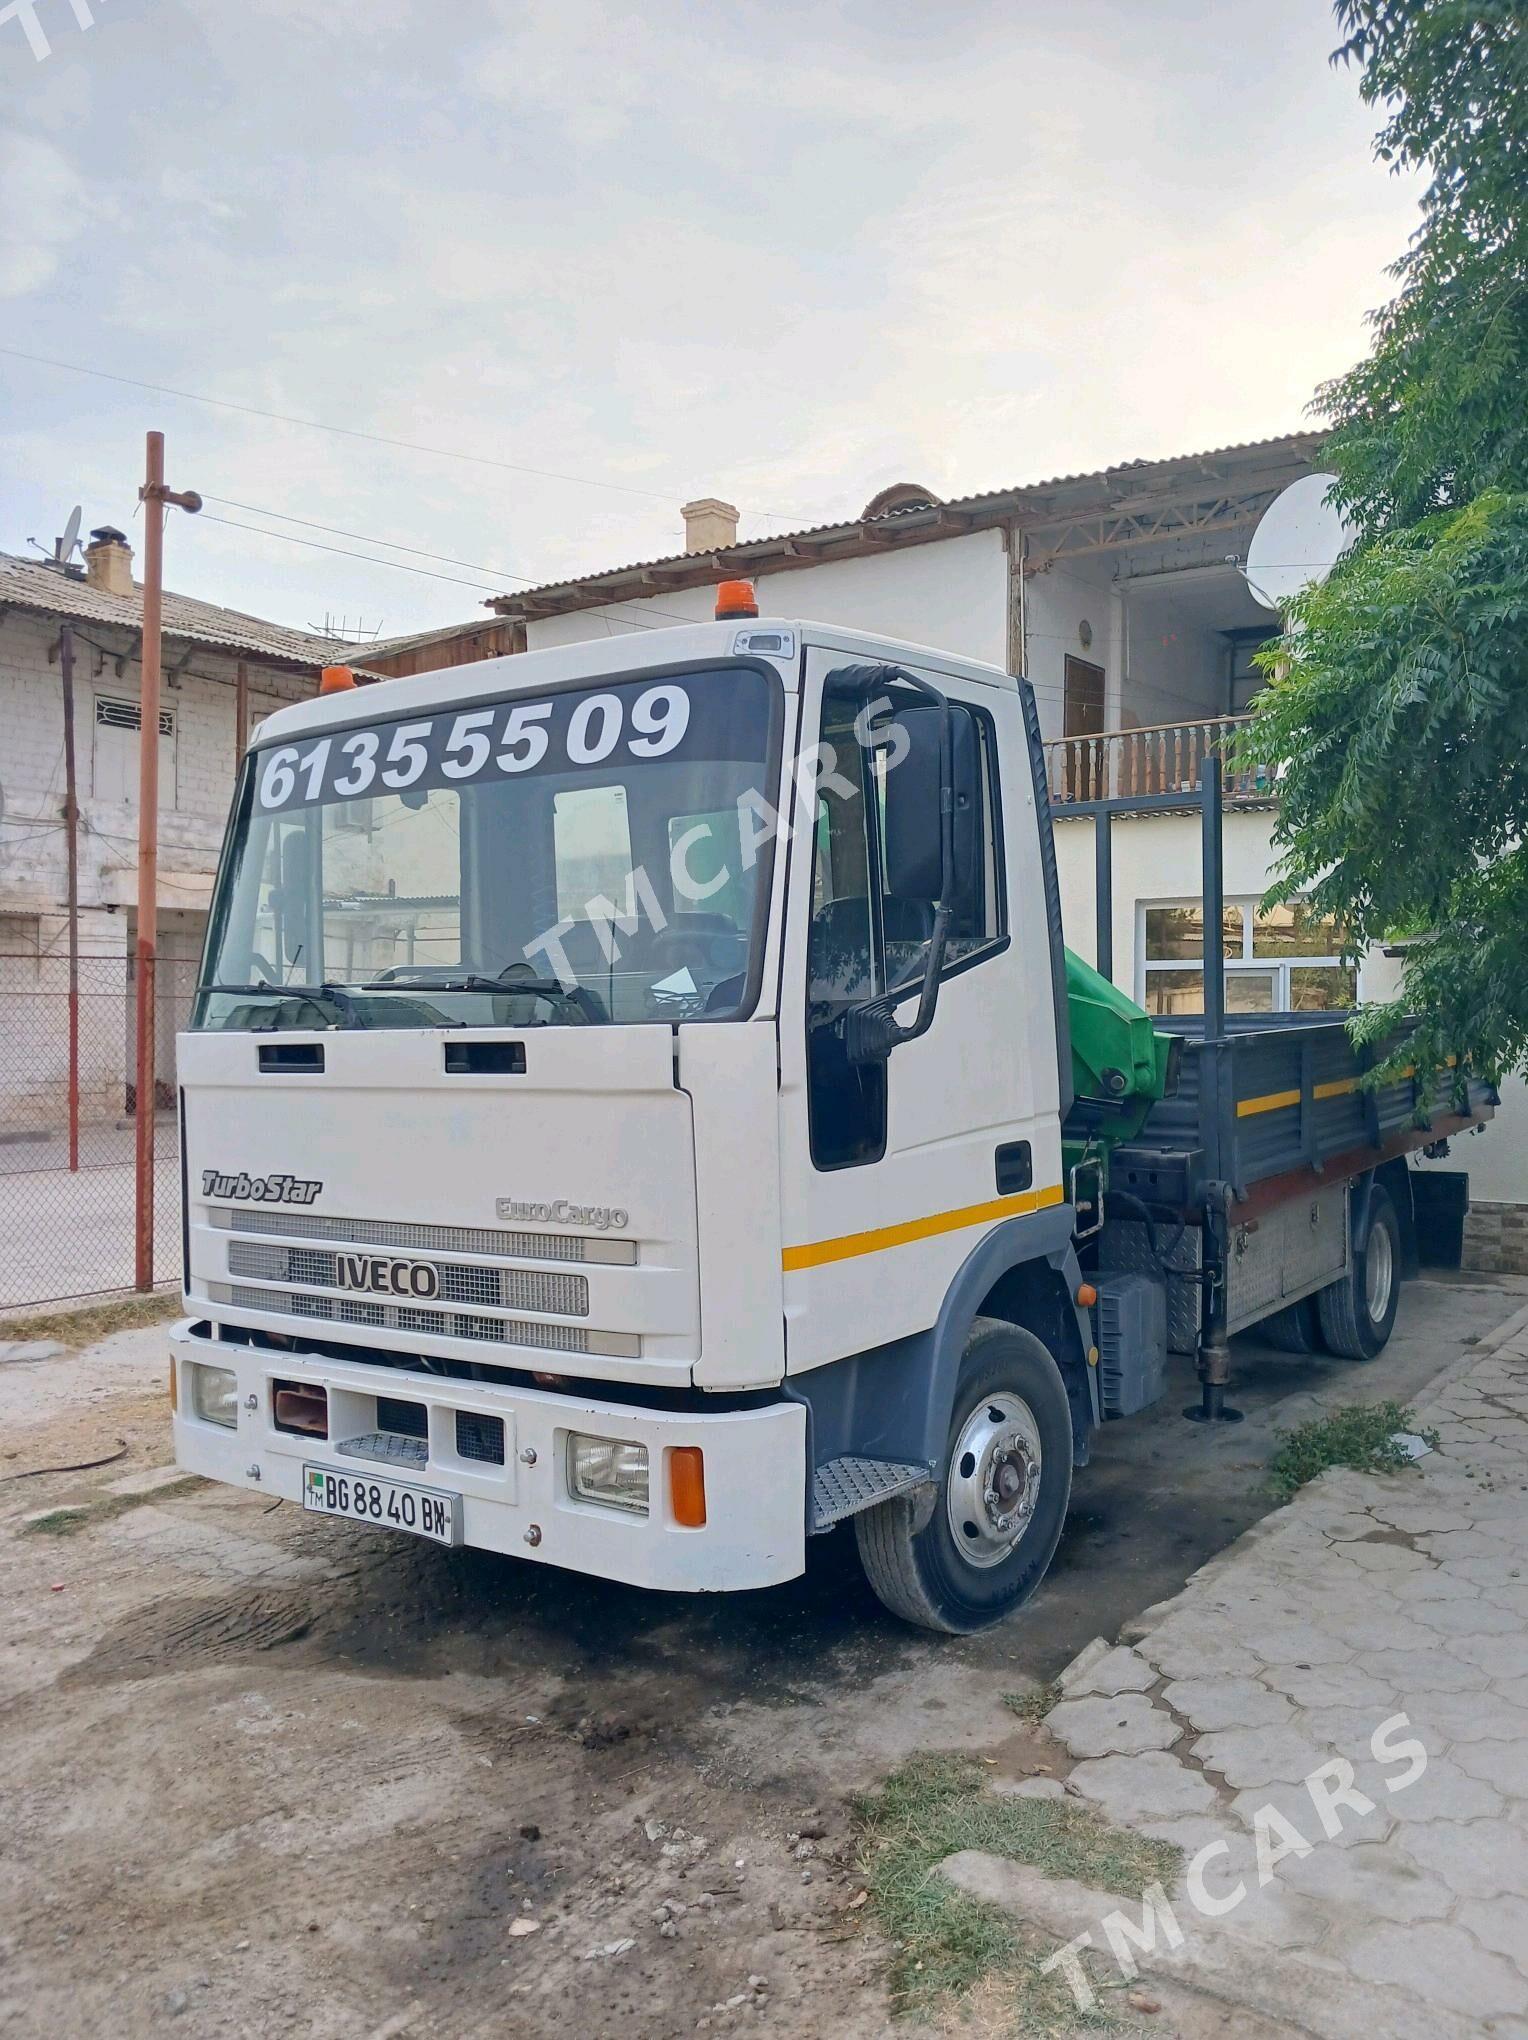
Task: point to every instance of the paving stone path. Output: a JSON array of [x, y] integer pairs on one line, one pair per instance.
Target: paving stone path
[[1396, 1895]]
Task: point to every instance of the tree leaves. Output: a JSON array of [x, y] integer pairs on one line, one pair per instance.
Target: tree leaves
[[1397, 709]]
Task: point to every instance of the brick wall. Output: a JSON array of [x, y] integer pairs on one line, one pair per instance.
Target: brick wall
[[194, 804], [1496, 1239], [194, 801]]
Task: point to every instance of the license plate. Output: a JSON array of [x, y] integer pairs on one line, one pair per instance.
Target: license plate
[[386, 1504]]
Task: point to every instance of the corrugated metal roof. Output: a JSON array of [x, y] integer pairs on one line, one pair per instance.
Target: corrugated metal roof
[[685, 569], [387, 648], [34, 585]]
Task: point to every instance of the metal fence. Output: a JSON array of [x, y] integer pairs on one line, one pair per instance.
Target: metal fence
[[68, 1214]]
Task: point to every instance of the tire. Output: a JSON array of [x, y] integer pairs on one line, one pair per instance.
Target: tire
[[1358, 1313], [1294, 1329], [939, 1568]]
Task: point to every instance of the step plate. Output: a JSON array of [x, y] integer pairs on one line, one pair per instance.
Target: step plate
[[388, 1447], [843, 1487]]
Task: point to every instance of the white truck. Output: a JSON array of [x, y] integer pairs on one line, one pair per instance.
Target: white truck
[[634, 1119]]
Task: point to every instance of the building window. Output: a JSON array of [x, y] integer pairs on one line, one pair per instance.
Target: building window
[[114, 755], [20, 952], [1286, 961]]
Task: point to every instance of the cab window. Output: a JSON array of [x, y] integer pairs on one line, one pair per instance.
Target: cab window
[[866, 937]]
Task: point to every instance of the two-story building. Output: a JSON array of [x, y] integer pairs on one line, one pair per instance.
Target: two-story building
[[222, 672], [1120, 595]]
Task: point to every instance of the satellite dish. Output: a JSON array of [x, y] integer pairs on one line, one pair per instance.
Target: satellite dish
[[63, 548], [1297, 542]]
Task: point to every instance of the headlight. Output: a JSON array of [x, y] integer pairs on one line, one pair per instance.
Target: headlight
[[609, 1471], [214, 1394]]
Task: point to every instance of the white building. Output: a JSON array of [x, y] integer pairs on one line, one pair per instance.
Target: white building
[[218, 666], [1119, 594]]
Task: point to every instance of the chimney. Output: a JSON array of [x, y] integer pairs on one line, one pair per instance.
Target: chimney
[[709, 525], [109, 561]]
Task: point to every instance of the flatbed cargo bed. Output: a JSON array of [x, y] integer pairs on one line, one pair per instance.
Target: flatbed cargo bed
[[1277, 1102]]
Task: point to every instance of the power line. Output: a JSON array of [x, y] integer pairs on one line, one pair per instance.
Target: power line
[[350, 431], [314, 545], [369, 538], [398, 566]]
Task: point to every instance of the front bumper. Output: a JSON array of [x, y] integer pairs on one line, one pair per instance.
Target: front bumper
[[755, 1466]]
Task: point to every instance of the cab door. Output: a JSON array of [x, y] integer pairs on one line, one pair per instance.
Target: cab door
[[893, 1170]]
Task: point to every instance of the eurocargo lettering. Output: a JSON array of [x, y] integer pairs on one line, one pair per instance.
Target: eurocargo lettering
[[598, 1217]]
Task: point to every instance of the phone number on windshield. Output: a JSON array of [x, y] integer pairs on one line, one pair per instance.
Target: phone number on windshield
[[477, 743]]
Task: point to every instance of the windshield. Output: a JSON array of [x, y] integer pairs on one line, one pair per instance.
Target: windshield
[[590, 856]]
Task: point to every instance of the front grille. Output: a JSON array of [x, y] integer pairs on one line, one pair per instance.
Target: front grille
[[480, 1437], [426, 1239], [406, 1419], [440, 1324], [462, 1284], [479, 1288]]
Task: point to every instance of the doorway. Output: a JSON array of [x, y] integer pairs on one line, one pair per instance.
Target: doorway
[[1082, 726]]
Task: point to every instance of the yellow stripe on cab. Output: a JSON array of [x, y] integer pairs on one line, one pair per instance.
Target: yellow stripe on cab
[[848, 1246]]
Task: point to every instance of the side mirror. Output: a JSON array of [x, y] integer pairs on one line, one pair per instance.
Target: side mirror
[[931, 853], [914, 852]]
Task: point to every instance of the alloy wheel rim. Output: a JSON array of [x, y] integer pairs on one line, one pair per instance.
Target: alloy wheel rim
[[1379, 1273], [994, 1479]]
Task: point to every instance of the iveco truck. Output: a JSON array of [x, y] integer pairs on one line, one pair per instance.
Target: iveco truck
[[638, 1114]]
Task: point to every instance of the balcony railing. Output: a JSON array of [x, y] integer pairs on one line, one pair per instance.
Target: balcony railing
[[1162, 759]]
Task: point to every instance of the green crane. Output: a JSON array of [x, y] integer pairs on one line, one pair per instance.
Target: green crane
[[1121, 1066]]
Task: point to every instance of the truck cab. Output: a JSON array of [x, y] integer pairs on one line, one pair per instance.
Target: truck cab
[[622, 1117]]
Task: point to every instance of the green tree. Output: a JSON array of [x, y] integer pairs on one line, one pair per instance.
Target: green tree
[[1397, 709]]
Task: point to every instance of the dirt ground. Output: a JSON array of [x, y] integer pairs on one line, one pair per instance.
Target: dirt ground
[[261, 1774]]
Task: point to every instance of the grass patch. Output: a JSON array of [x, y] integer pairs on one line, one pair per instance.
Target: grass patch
[[1033, 1706], [945, 1942], [94, 1321], [88, 1515], [57, 1523], [1362, 1438]]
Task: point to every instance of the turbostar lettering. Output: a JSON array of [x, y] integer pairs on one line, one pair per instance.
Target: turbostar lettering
[[246, 1189]]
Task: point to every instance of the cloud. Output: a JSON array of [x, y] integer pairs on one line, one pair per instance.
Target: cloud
[[582, 67], [777, 252], [43, 207]]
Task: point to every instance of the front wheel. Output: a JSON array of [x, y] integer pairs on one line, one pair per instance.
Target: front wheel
[[1358, 1313], [1004, 1482]]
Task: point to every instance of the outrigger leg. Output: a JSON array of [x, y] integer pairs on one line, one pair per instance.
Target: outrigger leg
[[1214, 1352]]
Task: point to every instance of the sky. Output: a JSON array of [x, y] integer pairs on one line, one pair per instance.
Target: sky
[[777, 253]]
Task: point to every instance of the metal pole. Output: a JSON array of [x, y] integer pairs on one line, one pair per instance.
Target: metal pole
[[240, 712], [72, 852], [155, 498], [1103, 860], [1214, 889], [1214, 1362], [148, 858]]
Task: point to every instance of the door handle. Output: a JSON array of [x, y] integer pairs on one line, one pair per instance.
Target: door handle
[[1015, 1167]]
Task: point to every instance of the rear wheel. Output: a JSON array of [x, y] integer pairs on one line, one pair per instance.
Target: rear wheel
[[1004, 1482], [1358, 1313], [1294, 1329]]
